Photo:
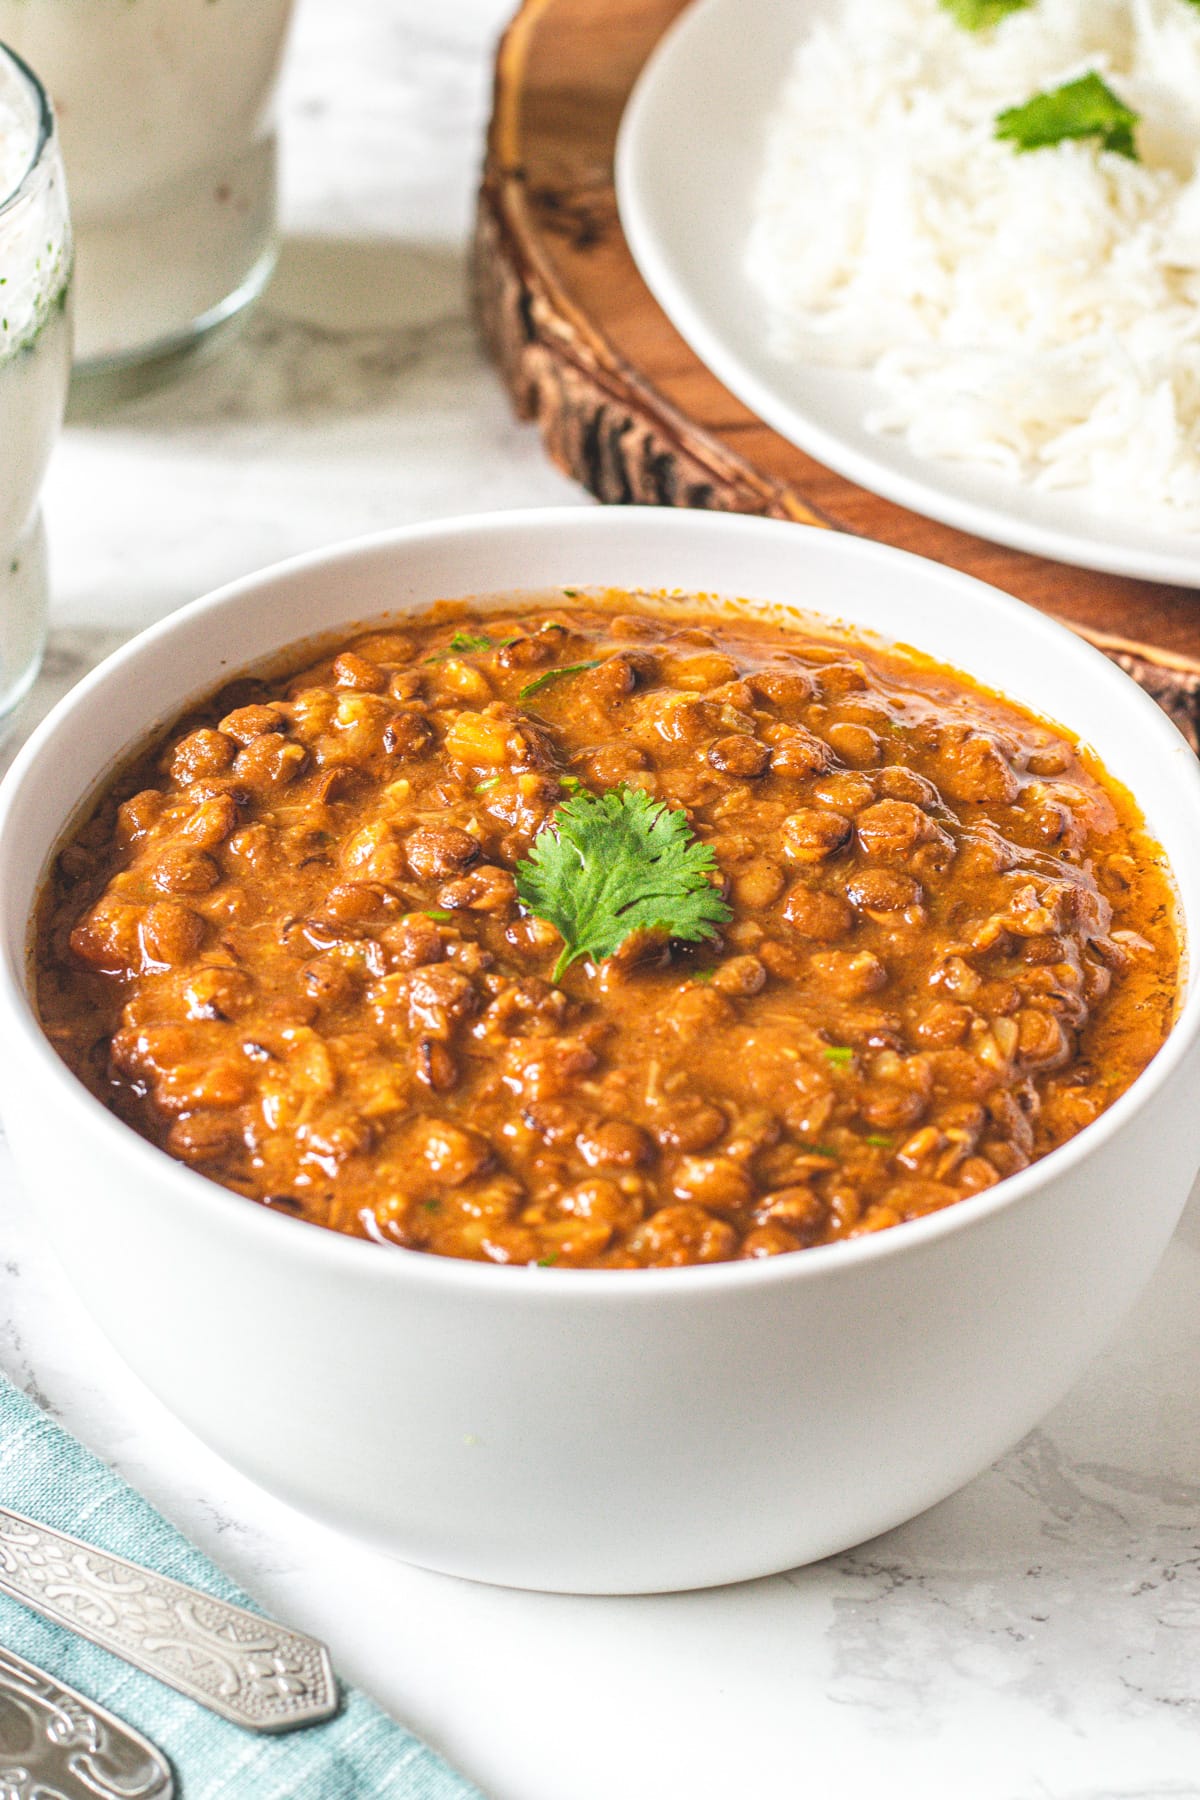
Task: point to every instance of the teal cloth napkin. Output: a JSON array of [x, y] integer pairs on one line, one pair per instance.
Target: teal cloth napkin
[[359, 1755]]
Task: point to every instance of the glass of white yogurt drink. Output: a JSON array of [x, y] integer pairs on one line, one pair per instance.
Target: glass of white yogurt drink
[[35, 359], [165, 108]]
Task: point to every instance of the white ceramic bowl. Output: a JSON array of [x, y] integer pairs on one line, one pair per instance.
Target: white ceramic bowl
[[601, 1431]]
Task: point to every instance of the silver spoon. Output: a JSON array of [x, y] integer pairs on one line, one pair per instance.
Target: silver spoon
[[58, 1745], [255, 1673]]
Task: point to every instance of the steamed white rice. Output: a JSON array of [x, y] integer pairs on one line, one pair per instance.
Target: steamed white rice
[[1037, 312]]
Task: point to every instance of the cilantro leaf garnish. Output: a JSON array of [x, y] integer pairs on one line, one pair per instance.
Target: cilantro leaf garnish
[[977, 15], [840, 1055], [1079, 109], [607, 865], [543, 681], [464, 641]]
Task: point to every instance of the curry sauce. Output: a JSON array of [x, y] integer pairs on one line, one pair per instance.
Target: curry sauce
[[289, 945]]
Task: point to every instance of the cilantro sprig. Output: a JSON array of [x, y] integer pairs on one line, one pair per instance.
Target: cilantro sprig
[[1086, 108], [607, 865], [977, 15]]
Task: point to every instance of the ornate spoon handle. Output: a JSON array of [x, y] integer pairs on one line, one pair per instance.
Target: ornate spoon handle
[[251, 1671], [58, 1745]]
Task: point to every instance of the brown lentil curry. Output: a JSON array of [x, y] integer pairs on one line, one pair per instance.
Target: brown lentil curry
[[288, 945]]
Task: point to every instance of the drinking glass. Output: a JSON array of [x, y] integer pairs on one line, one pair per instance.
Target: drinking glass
[[166, 114], [35, 359]]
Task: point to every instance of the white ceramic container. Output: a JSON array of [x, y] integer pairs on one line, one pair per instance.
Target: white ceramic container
[[35, 359], [601, 1431], [166, 112]]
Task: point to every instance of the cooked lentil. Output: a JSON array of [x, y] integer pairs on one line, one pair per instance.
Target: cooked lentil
[[287, 945]]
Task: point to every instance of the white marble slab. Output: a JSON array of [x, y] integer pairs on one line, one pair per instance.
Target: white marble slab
[[1035, 1638]]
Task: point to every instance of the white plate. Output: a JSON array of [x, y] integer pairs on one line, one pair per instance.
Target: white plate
[[688, 157]]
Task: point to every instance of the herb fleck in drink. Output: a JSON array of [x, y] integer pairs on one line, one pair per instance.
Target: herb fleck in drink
[[35, 359]]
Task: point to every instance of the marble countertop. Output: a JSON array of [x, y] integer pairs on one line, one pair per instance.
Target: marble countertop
[[1037, 1637]]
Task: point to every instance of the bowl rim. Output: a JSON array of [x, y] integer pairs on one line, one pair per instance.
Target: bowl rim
[[338, 1251]]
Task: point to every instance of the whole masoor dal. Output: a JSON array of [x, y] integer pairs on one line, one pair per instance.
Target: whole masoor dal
[[287, 945]]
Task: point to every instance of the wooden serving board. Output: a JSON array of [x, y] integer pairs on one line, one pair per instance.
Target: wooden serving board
[[627, 409]]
